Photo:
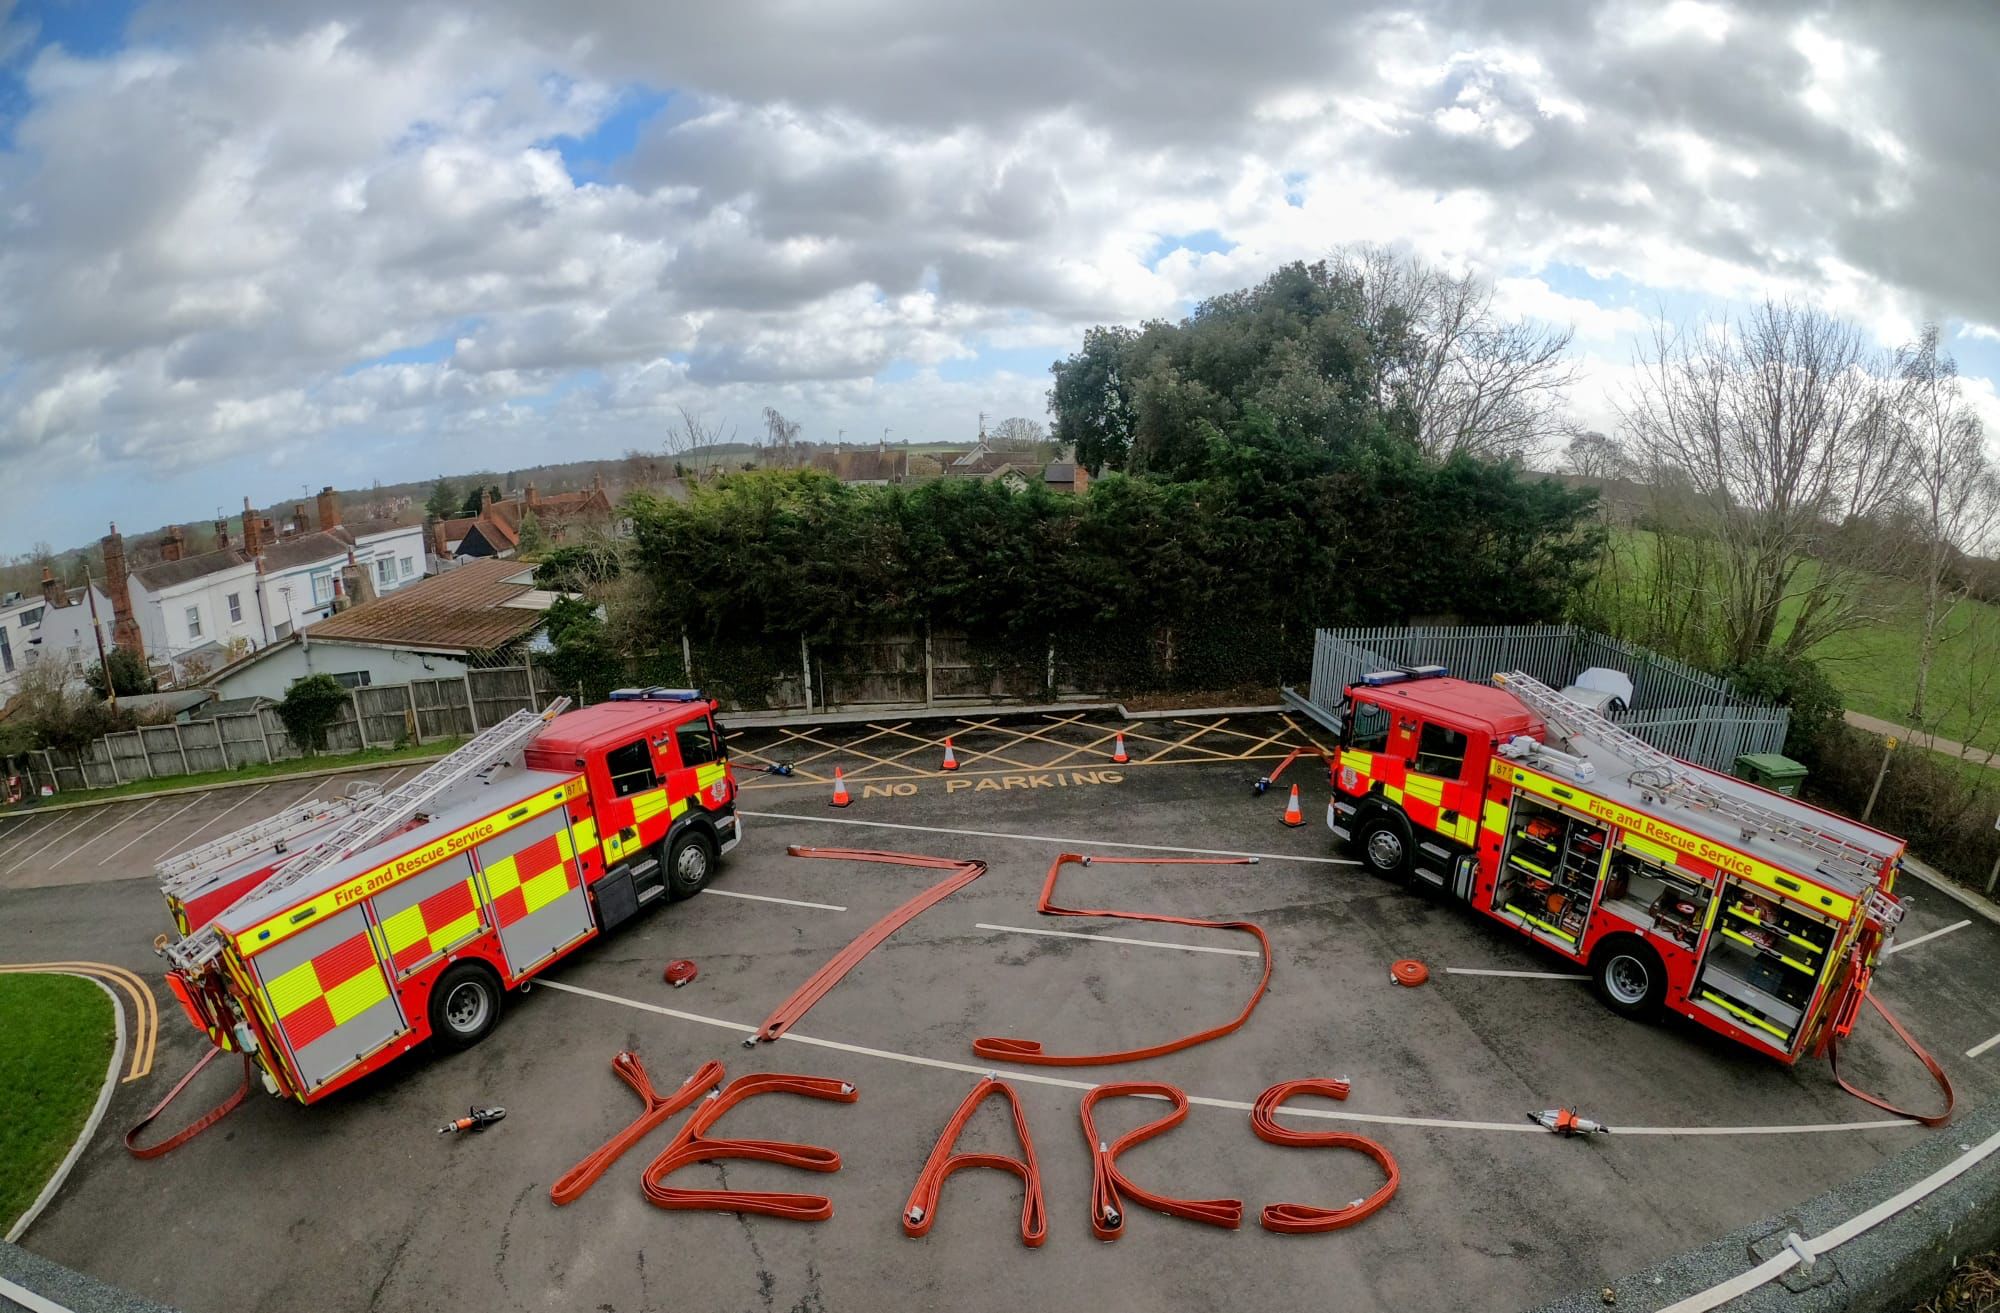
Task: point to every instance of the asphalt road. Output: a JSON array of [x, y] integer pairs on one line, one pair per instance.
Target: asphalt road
[[356, 1203]]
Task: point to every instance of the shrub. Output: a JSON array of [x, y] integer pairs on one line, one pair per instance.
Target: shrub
[[310, 708]]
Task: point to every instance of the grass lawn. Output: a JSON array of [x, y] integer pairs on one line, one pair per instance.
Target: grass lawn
[[259, 771], [54, 1046]]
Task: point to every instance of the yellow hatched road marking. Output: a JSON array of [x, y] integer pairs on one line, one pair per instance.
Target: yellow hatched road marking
[[1294, 727], [1189, 740]]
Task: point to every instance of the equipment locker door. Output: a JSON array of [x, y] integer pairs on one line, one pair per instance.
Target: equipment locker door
[[429, 914], [332, 1000], [536, 893]]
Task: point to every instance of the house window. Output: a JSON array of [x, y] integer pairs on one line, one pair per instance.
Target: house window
[[6, 653], [236, 608], [29, 619], [284, 629], [385, 571], [409, 566], [322, 587], [194, 622], [354, 679]]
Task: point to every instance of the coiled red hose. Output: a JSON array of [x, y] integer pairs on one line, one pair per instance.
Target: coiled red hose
[[1109, 1187], [921, 1210], [821, 981], [627, 1067], [693, 1145], [1923, 1055], [1030, 1051], [1307, 1219]]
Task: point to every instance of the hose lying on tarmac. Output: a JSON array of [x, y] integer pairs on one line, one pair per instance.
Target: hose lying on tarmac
[[821, 981], [1306, 1219], [1109, 1187], [1030, 1051], [627, 1067], [692, 1145], [921, 1210], [1923, 1055], [200, 1124]]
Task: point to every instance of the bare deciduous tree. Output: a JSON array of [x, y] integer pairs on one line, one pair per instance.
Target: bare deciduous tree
[[781, 438], [1015, 432], [1779, 432], [1594, 455], [1464, 380], [1954, 496]]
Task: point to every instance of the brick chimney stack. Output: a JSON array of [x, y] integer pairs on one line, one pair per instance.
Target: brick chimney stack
[[125, 627], [329, 509], [298, 524], [253, 540], [172, 544], [222, 535], [485, 499], [52, 589]]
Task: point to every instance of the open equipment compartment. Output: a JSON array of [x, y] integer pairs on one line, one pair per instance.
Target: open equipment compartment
[[1765, 960], [1549, 877]]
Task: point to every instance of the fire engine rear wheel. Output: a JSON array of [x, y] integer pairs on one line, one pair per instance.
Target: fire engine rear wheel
[[465, 1005], [1384, 843], [1629, 977], [690, 862]]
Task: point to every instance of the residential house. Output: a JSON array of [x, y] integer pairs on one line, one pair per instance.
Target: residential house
[[55, 623], [496, 530], [196, 612], [871, 466], [436, 628], [1065, 476]]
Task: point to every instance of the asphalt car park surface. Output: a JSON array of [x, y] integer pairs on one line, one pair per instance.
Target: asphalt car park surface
[[357, 1203]]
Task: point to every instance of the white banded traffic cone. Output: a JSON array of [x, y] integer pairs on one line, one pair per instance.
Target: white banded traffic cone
[[1293, 816], [1118, 751], [950, 757], [840, 795]]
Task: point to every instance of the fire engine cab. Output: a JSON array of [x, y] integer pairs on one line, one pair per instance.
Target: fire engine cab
[[1680, 889], [327, 940]]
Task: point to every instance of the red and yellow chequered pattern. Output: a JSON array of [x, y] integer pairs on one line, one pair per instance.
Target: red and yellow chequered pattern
[[328, 990], [427, 928], [532, 878]]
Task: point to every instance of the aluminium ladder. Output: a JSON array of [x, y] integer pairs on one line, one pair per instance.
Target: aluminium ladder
[[1578, 721], [376, 815]]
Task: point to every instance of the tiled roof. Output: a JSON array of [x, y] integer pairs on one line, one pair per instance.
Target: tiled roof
[[455, 529], [308, 549], [167, 574], [462, 609]]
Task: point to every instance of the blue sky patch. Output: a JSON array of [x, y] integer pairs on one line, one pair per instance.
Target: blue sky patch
[[589, 158], [1204, 241]]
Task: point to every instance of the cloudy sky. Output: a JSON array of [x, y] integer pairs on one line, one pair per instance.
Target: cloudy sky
[[249, 247]]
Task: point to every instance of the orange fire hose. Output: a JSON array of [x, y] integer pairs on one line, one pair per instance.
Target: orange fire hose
[[1923, 1055], [821, 981], [921, 1210], [1306, 1219], [692, 1145], [1109, 1187], [627, 1067], [1030, 1051], [200, 1124]]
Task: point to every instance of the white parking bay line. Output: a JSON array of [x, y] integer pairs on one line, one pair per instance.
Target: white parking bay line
[[1119, 939], [210, 822], [1074, 845], [766, 898], [65, 832], [1232, 1105], [106, 830], [1981, 1047], [1924, 939], [194, 801], [1515, 975]]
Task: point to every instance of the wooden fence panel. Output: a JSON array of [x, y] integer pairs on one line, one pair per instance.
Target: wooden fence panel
[[385, 714], [443, 708], [163, 750], [880, 672], [128, 756], [242, 736], [499, 693], [201, 741]]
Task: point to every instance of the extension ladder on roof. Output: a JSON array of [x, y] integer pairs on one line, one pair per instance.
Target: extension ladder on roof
[[377, 815], [184, 870], [1673, 776]]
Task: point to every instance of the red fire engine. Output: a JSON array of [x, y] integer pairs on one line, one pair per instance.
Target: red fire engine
[[1680, 889], [337, 935]]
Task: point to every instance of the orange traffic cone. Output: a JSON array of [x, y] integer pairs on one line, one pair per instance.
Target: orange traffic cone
[[950, 758], [1118, 751], [1293, 816], [841, 799]]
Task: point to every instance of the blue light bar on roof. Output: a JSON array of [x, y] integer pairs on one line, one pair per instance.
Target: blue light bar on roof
[[657, 693], [1377, 678], [1428, 672]]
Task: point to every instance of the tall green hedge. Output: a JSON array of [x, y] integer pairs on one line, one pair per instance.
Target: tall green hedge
[[1210, 582]]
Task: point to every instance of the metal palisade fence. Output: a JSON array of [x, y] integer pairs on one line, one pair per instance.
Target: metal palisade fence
[[1689, 713]]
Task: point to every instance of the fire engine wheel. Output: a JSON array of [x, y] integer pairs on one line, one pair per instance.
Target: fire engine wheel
[[690, 862], [465, 1005], [1384, 842], [1629, 977]]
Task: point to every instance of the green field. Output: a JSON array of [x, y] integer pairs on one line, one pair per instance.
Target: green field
[[1875, 665], [54, 1044]]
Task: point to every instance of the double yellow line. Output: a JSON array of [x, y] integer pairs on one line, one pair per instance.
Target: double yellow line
[[146, 1012]]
